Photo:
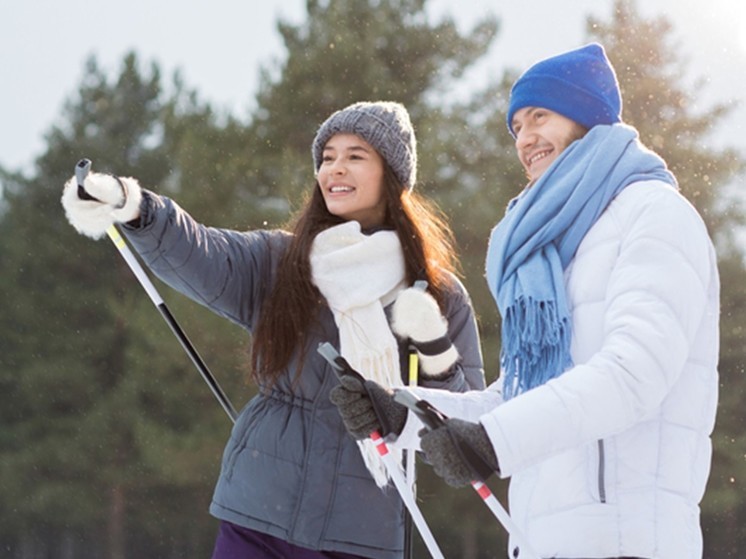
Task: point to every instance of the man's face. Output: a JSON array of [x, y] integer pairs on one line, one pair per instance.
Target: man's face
[[540, 136]]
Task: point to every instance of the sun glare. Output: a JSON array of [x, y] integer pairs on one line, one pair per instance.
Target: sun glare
[[736, 13]]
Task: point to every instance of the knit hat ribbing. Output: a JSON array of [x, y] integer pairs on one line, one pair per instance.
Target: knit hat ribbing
[[385, 125], [579, 84]]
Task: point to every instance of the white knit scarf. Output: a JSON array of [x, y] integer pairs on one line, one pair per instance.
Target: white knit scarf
[[358, 274]]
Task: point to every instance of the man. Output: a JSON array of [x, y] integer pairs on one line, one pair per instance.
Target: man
[[607, 285]]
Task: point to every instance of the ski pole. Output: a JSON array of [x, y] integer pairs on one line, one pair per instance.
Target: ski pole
[[433, 418], [81, 171], [409, 461], [412, 380], [343, 368], [410, 466]]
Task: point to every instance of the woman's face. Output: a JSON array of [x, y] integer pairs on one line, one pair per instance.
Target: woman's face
[[540, 136], [351, 180]]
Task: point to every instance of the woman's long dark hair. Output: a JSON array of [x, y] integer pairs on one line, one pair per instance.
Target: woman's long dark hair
[[427, 243]]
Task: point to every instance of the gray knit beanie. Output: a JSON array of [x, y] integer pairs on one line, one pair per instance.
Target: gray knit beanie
[[385, 125]]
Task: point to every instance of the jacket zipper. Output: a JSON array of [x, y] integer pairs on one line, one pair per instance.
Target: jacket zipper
[[601, 471]]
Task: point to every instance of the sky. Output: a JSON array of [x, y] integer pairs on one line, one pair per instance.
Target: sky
[[219, 46]]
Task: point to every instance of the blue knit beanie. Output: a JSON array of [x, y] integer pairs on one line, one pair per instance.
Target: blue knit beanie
[[385, 125], [579, 84]]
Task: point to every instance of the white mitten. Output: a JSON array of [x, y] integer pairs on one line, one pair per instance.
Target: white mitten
[[416, 315], [117, 200]]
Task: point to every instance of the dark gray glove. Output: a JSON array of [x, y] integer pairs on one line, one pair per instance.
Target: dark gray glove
[[460, 452], [367, 407]]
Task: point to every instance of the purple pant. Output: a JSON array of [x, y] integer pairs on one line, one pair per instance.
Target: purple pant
[[237, 542]]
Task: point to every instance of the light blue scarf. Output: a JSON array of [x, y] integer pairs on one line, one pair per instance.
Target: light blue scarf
[[538, 237]]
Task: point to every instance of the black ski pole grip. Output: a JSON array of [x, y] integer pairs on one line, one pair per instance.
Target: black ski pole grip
[[338, 363], [81, 172]]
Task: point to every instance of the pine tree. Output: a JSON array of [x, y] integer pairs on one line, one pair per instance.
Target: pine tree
[[346, 52], [101, 410]]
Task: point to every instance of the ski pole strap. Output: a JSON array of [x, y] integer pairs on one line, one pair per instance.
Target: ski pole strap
[[430, 347], [478, 465], [433, 418], [433, 347], [430, 416], [343, 369], [338, 363]]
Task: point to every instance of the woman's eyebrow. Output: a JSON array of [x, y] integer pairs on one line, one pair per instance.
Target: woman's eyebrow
[[349, 148]]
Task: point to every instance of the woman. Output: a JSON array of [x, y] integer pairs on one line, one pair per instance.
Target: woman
[[293, 482]]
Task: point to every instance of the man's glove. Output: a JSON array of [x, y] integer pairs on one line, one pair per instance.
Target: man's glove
[[460, 452], [116, 200], [367, 407], [416, 315]]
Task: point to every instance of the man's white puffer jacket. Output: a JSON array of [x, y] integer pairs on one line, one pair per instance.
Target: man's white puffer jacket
[[611, 458]]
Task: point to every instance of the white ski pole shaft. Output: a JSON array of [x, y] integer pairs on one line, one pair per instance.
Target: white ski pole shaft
[[134, 265], [413, 374], [502, 515], [413, 380], [150, 289], [410, 468], [406, 495]]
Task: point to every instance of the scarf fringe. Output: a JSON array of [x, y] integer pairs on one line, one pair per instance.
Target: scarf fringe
[[383, 368], [535, 345]]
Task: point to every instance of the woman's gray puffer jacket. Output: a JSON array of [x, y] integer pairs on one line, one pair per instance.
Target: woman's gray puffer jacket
[[289, 469]]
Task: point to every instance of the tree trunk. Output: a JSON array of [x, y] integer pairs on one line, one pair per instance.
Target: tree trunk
[[469, 540], [116, 523]]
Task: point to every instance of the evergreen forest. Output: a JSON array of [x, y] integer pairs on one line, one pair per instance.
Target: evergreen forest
[[110, 441]]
